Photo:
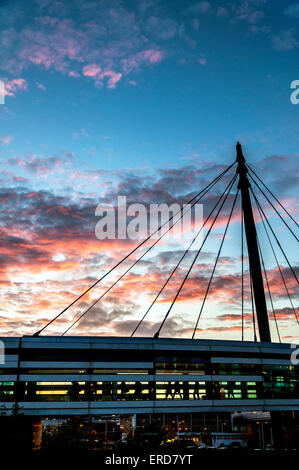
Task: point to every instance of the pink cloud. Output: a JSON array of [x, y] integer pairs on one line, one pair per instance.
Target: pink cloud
[[94, 71], [104, 43], [91, 70], [6, 140], [51, 43], [15, 85], [152, 56], [114, 78], [41, 57], [41, 86], [72, 73], [146, 57], [203, 61]]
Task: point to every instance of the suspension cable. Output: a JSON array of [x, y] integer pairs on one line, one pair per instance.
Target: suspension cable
[[194, 260], [272, 205], [278, 265], [277, 241], [215, 264], [252, 306], [181, 259], [133, 251], [135, 262], [277, 200], [268, 286]]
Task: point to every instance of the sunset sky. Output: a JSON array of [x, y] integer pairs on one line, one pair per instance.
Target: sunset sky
[[144, 99]]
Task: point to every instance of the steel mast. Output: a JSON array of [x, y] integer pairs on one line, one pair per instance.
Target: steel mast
[[253, 252]]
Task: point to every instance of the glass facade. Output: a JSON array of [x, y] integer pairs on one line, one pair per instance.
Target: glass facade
[[134, 373], [93, 391], [276, 382]]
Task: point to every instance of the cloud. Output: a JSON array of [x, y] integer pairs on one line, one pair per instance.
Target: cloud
[[285, 40], [37, 227], [81, 133], [198, 8], [221, 11], [112, 43], [148, 56], [202, 60], [94, 71], [42, 166], [160, 28], [286, 313], [6, 140], [11, 87], [105, 42], [255, 17], [279, 169], [41, 86], [292, 11], [10, 177], [249, 11], [91, 70]]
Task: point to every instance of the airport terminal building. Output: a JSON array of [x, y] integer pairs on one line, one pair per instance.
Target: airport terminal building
[[96, 376]]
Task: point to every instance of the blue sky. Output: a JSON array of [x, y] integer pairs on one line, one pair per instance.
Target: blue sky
[[110, 97]]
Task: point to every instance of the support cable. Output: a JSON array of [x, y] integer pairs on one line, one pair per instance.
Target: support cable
[[181, 259], [194, 261], [278, 265], [277, 241], [134, 264], [135, 249], [272, 205], [215, 264], [277, 200], [252, 306], [268, 288]]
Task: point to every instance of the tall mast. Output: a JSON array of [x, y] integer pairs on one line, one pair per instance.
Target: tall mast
[[253, 252]]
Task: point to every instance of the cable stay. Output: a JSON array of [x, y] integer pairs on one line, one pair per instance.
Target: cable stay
[[139, 259], [252, 307], [215, 264], [268, 288], [194, 260], [181, 259], [270, 192], [278, 265], [195, 198], [277, 241], [286, 224]]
